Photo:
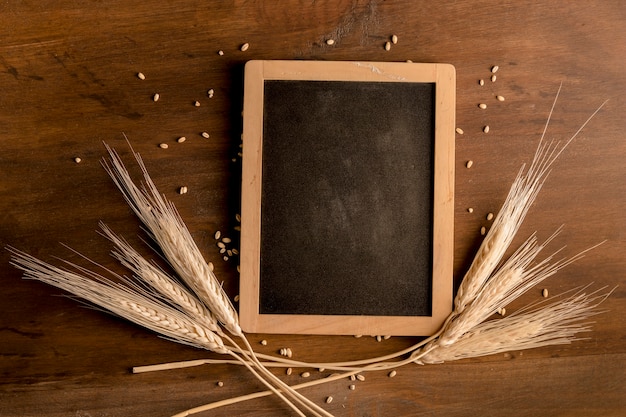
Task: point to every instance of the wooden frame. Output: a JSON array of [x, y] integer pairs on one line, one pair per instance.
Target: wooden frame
[[256, 73]]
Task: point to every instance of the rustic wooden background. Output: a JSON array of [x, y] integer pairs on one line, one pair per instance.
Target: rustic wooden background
[[68, 82]]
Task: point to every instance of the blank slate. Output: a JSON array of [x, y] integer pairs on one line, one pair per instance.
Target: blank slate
[[347, 197]]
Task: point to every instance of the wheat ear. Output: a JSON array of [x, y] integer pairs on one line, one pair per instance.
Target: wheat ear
[[514, 209], [170, 232], [554, 324], [161, 283], [123, 301]]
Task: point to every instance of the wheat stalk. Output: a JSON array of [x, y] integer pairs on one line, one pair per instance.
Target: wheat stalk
[[122, 300], [522, 194], [170, 232], [554, 324]]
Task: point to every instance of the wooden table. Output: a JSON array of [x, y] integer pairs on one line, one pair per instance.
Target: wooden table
[[68, 81]]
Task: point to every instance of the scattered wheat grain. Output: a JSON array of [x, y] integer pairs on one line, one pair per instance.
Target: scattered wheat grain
[[220, 52], [205, 135], [196, 103], [182, 190], [482, 106], [221, 245], [379, 338], [289, 371], [217, 235], [244, 47], [360, 377], [489, 216], [481, 82], [226, 240], [163, 146], [459, 131], [238, 217], [305, 374], [392, 374], [544, 293], [156, 97], [500, 98], [211, 266], [394, 39], [352, 387], [493, 78], [483, 231], [470, 210], [486, 129], [387, 46], [181, 139], [352, 377], [469, 163], [210, 93], [494, 69], [220, 384], [330, 42], [77, 160], [141, 76], [329, 400]]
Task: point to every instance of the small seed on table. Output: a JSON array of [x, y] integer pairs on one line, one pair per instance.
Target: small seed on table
[[164, 146], [210, 93], [360, 377], [493, 78], [220, 52], [244, 47], [387, 46], [352, 387], [482, 106], [486, 129], [264, 342], [205, 135], [483, 231], [77, 160], [289, 371], [226, 240], [392, 374], [394, 39], [544, 293], [221, 245], [305, 374], [181, 139], [459, 131], [500, 98], [330, 42], [489, 216], [156, 97], [217, 235], [141, 76], [220, 384], [329, 400], [470, 210], [469, 163], [182, 190], [196, 103], [494, 69], [481, 82]]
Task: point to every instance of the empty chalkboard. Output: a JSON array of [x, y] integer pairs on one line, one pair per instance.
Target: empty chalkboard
[[347, 197]]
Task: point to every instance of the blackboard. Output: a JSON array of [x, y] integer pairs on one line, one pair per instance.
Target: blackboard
[[342, 215]]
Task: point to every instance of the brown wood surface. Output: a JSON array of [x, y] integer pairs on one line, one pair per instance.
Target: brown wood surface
[[68, 82]]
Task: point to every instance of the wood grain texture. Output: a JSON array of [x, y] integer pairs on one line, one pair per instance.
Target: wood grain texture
[[68, 82]]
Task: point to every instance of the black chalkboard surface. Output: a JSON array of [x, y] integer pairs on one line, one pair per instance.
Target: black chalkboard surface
[[342, 201], [346, 203]]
